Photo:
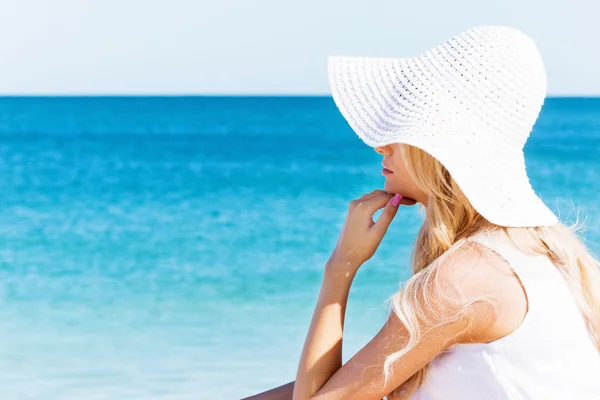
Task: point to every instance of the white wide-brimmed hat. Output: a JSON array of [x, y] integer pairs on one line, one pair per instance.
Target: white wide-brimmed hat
[[470, 102]]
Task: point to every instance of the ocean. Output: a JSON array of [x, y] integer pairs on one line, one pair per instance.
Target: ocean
[[172, 247]]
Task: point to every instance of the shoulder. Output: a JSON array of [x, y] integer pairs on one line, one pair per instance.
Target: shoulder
[[480, 284]]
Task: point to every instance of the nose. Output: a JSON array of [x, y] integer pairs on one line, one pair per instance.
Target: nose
[[384, 150]]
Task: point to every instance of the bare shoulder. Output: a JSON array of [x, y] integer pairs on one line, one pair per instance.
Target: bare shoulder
[[483, 281]]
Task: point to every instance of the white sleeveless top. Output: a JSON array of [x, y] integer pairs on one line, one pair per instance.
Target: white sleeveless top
[[551, 355]]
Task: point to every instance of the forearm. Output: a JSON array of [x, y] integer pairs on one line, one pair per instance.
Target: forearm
[[322, 352], [283, 392]]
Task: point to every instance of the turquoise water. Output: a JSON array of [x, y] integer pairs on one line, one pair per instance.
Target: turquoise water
[[172, 248]]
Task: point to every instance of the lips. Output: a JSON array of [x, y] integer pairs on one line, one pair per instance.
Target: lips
[[385, 167]]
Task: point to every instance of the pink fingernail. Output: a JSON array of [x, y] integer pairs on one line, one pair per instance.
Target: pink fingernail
[[396, 199]]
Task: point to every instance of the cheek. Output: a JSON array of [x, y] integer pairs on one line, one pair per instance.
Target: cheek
[[400, 172], [400, 178]]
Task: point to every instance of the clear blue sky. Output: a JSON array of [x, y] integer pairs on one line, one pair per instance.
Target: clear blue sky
[[263, 46]]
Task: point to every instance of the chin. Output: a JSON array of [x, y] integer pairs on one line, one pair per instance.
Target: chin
[[391, 188]]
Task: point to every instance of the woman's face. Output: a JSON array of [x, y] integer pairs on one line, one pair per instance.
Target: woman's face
[[396, 176]]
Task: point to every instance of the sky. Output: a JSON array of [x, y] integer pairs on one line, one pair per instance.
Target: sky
[[263, 47]]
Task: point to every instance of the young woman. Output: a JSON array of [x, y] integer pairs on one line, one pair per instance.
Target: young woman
[[504, 302]]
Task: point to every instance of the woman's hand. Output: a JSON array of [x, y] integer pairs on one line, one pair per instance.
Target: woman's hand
[[360, 235]]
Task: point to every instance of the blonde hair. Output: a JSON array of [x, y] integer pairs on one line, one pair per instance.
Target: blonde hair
[[449, 218]]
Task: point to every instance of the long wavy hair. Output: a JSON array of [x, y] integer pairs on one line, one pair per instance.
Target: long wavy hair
[[450, 217]]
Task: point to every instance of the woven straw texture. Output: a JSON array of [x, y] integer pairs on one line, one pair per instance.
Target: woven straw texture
[[471, 102]]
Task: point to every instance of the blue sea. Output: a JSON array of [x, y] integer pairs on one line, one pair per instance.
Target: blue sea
[[172, 247]]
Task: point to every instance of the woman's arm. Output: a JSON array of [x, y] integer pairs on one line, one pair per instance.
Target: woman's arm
[[360, 236], [322, 352], [327, 323], [358, 241], [283, 392]]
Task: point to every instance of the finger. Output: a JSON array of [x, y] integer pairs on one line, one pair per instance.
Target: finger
[[386, 217], [375, 202], [408, 202], [376, 192], [365, 204], [382, 197]]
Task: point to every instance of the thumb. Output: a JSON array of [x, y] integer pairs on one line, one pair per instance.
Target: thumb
[[388, 213]]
